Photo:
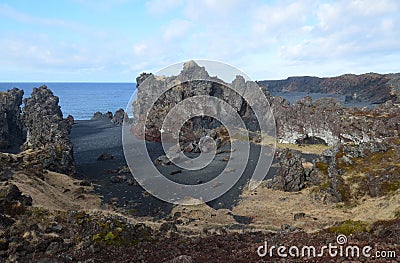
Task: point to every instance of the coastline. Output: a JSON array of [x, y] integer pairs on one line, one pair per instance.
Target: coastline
[[313, 192]]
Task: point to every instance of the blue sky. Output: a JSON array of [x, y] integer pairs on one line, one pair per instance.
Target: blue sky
[[115, 40]]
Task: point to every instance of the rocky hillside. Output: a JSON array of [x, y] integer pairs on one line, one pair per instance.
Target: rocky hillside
[[372, 87]]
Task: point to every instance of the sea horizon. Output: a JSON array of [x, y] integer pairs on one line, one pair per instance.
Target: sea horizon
[[82, 99]]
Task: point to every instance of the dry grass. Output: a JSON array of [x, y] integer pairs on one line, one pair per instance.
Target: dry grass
[[266, 140], [57, 192], [308, 149], [271, 208]]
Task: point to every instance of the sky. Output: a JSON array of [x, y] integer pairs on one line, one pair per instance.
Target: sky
[[116, 40]]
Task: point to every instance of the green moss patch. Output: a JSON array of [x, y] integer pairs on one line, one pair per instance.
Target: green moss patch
[[349, 227], [321, 166]]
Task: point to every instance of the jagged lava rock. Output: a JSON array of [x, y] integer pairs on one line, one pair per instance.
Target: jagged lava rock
[[102, 116], [192, 81], [119, 116], [290, 176], [10, 123], [322, 121], [47, 130], [326, 121]]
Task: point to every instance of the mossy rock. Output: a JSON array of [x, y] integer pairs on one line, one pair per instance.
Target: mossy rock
[[108, 238], [323, 167], [349, 227]]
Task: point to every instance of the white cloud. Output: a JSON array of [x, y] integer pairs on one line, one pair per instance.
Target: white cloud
[[280, 17], [354, 31], [363, 13]]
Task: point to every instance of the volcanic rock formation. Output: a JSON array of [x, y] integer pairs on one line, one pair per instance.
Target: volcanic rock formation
[[192, 81], [326, 121], [291, 176], [10, 122], [48, 131], [322, 121]]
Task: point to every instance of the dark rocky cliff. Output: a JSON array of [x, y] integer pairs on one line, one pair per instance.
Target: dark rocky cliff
[[372, 87]]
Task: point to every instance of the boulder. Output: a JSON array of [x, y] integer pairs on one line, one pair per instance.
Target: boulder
[[290, 176], [181, 259], [119, 116], [105, 156], [12, 201]]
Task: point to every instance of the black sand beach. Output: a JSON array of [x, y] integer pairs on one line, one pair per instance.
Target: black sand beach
[[93, 138]]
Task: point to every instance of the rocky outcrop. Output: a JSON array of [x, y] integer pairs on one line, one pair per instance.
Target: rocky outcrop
[[119, 116], [11, 135], [192, 81], [70, 119], [372, 87], [141, 78], [348, 172], [307, 120], [48, 131], [326, 121], [291, 176], [102, 116], [322, 121]]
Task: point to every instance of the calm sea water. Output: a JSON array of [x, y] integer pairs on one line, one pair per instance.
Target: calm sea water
[[81, 100]]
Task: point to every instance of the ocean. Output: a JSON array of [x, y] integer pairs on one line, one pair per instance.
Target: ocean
[[81, 100]]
